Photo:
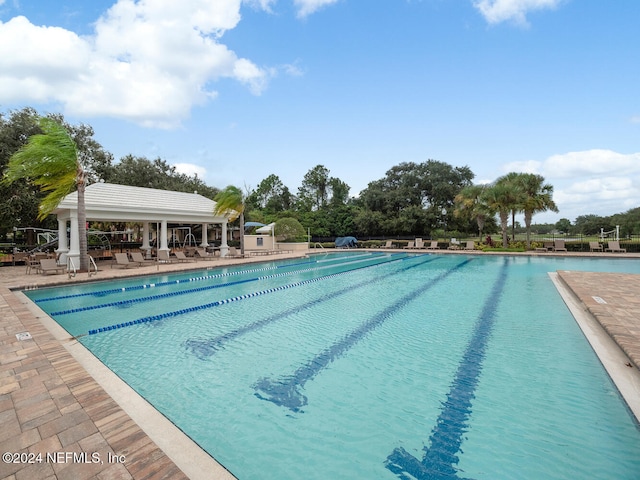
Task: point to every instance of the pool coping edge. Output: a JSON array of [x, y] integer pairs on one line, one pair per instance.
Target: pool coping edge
[[610, 354]]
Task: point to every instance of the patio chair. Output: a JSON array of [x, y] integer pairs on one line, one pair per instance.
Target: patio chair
[[595, 247], [419, 244], [164, 256], [233, 252], [471, 245], [411, 244], [389, 244], [183, 258], [202, 253], [137, 257], [122, 260], [614, 246], [558, 246], [433, 245], [48, 265]]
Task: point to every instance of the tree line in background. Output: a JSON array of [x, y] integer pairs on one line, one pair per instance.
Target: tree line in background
[[429, 199]]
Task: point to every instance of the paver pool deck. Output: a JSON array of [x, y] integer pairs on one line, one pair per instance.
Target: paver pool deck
[[52, 403]]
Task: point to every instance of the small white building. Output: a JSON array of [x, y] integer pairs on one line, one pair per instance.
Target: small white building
[[107, 202]]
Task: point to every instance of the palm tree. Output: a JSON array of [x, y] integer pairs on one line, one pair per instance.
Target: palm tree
[[51, 161], [538, 198], [231, 202], [503, 197], [513, 180], [470, 202]]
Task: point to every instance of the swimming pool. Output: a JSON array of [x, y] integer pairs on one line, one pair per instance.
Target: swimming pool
[[367, 366]]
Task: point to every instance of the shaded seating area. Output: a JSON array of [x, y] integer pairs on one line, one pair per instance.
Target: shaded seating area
[[614, 247]]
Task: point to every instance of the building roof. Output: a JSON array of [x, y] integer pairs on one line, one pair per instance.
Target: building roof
[[123, 203]]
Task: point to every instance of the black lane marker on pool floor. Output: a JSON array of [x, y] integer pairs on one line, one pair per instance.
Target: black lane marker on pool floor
[[446, 437], [127, 303], [162, 316], [205, 348], [285, 391]]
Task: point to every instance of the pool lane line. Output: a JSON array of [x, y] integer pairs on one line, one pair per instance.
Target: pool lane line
[[218, 303], [111, 291], [447, 434], [285, 391], [206, 348], [151, 298]]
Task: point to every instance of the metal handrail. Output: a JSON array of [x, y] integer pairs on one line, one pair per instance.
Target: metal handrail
[[71, 265], [318, 243], [92, 262]]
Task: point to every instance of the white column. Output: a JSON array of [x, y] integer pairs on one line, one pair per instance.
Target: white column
[[163, 236], [74, 247], [145, 239], [224, 247], [63, 249], [205, 236]]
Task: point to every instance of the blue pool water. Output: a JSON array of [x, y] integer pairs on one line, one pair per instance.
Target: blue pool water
[[367, 366]]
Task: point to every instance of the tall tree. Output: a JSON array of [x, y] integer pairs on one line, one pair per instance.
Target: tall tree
[[470, 202], [416, 198], [503, 197], [315, 188], [231, 201], [538, 197], [51, 161], [513, 181]]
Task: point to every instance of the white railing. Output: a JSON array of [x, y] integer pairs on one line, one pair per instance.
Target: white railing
[[95, 267], [315, 245], [71, 266]]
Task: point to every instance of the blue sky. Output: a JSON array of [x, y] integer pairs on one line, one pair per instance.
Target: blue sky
[[237, 90]]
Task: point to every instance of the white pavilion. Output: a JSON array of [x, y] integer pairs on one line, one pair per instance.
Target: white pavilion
[[108, 202]]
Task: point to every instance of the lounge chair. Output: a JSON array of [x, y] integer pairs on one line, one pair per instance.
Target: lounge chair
[[164, 256], [419, 244], [558, 246], [471, 245], [411, 244], [48, 265], [233, 252], [137, 257], [433, 245], [389, 244], [614, 246], [122, 260], [183, 258], [595, 247], [202, 253]]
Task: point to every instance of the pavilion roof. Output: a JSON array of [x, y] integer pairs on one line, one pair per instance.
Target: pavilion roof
[[111, 202]]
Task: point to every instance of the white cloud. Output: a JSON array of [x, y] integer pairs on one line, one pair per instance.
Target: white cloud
[[600, 182], [190, 169], [148, 61], [591, 163], [307, 7], [526, 166], [635, 119], [496, 11]]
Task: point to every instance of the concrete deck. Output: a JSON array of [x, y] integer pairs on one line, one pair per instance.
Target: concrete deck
[[54, 400]]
